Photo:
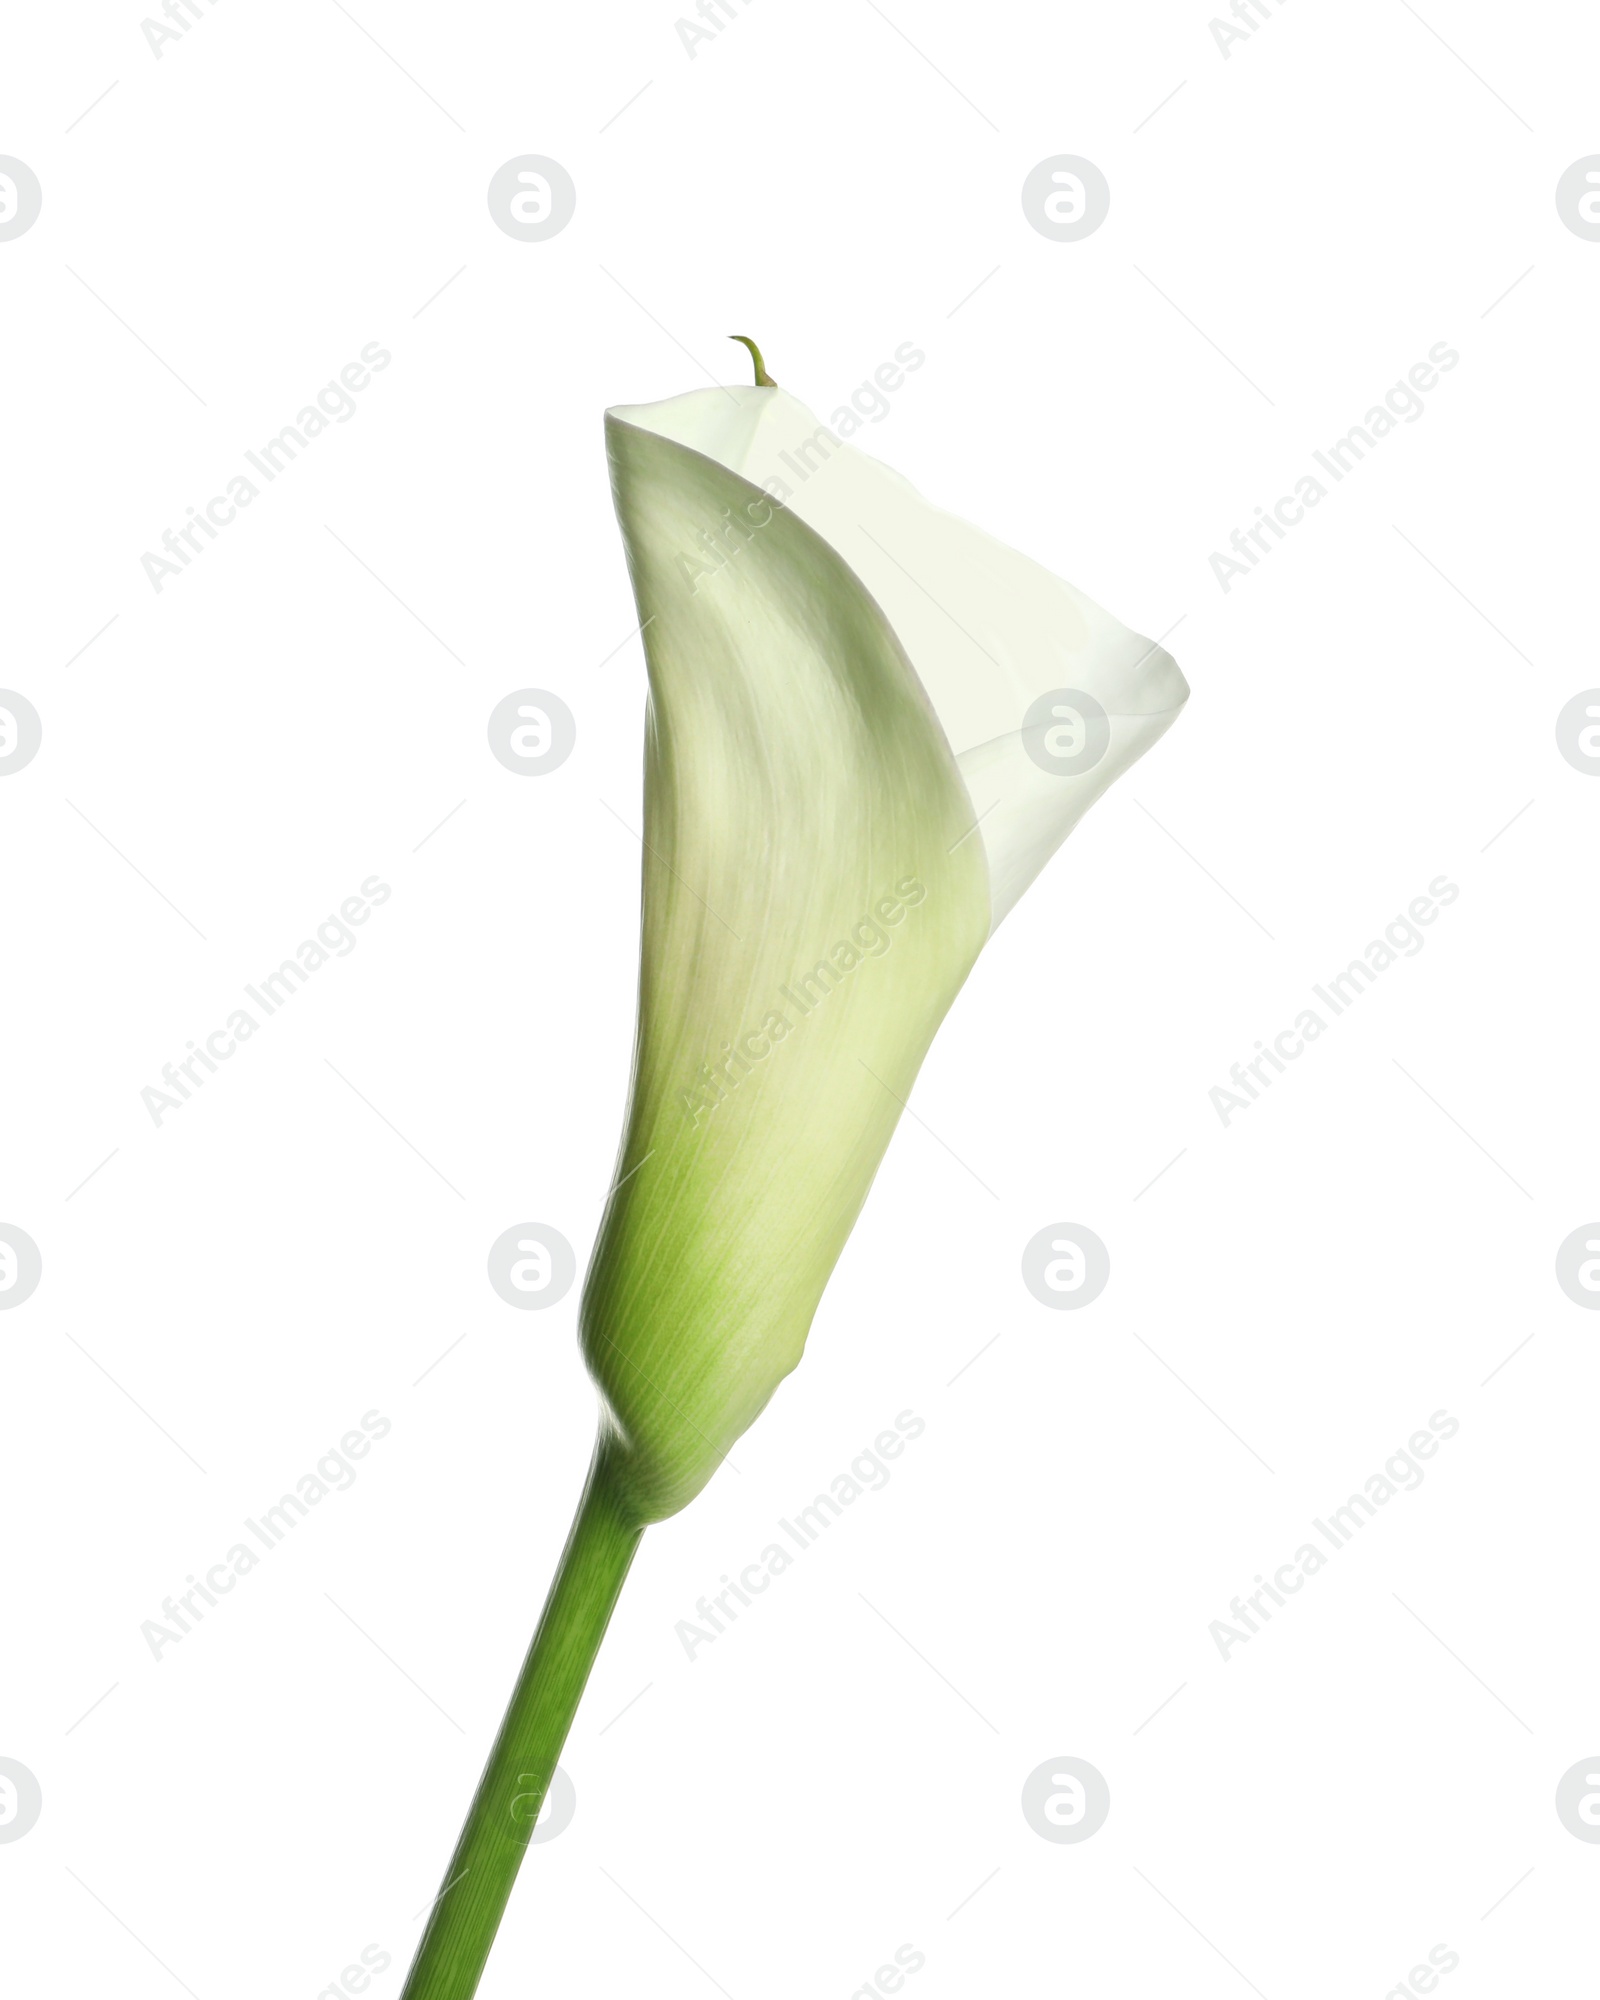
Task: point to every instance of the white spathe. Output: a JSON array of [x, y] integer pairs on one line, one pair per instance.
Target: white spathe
[[986, 629]]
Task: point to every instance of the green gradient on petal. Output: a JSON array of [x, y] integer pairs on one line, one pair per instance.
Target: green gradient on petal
[[795, 780]]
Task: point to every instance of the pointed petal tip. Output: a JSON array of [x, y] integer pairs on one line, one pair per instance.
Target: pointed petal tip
[[1157, 685]]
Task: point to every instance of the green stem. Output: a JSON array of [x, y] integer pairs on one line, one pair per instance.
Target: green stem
[[600, 1547]]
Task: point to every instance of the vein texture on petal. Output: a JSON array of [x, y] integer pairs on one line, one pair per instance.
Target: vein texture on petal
[[987, 630], [810, 911]]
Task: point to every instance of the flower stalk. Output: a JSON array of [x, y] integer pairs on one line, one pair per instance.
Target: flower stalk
[[594, 1564], [862, 745]]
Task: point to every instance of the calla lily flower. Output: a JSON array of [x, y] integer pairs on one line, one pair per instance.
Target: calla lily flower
[[869, 728]]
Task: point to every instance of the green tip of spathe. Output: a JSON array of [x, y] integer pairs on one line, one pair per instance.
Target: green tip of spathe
[[763, 379]]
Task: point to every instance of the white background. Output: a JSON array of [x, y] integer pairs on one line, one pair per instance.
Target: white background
[[1299, 1290]]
